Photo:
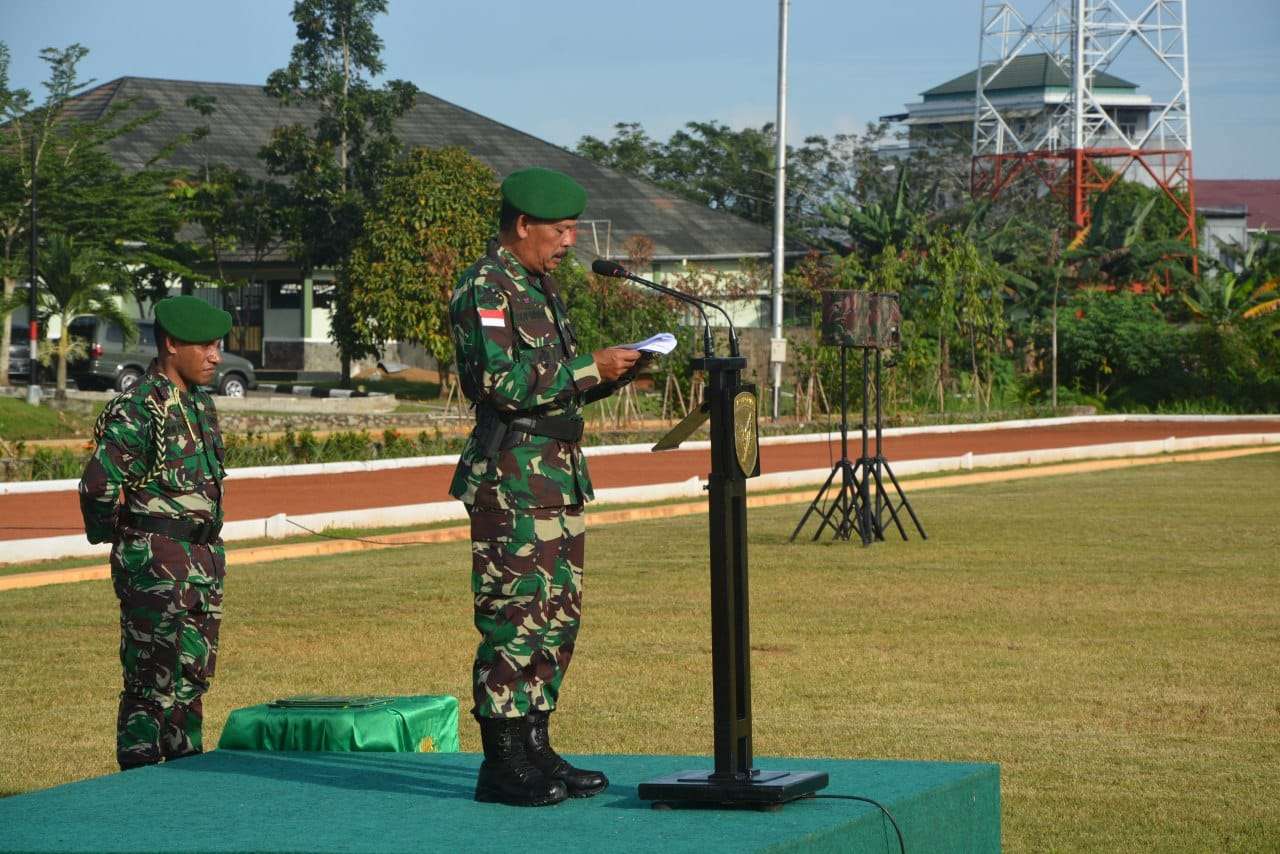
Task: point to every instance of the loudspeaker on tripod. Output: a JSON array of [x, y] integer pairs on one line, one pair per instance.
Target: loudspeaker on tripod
[[871, 322], [862, 319]]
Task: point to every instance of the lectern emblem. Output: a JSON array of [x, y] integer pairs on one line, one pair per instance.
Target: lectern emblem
[[745, 431]]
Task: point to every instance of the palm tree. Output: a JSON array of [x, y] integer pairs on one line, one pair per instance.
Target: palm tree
[[75, 282]]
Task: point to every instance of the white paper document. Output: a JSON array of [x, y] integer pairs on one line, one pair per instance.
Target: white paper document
[[661, 344]]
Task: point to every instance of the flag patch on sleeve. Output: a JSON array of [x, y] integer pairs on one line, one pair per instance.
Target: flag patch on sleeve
[[492, 317]]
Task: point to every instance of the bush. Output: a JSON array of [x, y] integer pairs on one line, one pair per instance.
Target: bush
[[56, 465], [1119, 347], [1237, 367]]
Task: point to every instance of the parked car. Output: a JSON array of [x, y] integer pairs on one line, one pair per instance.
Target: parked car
[[19, 353], [111, 363]]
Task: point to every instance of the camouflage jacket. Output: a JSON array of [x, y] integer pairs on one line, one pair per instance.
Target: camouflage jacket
[[163, 450], [516, 353]]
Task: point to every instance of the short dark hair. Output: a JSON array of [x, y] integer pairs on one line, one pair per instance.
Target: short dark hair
[[160, 335], [507, 217]]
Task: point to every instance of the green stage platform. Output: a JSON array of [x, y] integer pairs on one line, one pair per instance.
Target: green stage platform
[[231, 801]]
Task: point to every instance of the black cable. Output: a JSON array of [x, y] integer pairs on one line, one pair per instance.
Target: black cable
[[902, 846]]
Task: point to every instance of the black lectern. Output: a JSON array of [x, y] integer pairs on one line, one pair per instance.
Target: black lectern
[[732, 407]]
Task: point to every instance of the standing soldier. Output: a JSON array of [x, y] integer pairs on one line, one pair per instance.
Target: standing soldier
[[524, 481], [153, 489]]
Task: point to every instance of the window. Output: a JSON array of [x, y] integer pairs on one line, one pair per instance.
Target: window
[[322, 294], [83, 327], [285, 294]]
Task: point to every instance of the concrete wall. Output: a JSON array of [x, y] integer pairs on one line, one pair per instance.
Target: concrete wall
[[1228, 228], [755, 346]]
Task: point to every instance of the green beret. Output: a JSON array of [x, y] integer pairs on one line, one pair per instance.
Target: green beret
[[192, 319], [544, 194]]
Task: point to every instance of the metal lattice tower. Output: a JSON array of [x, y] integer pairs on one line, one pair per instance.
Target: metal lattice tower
[[1067, 143]]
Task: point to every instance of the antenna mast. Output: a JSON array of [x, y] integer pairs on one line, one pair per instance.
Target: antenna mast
[[1090, 138]]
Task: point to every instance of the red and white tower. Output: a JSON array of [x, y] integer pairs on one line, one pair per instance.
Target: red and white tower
[[1085, 142]]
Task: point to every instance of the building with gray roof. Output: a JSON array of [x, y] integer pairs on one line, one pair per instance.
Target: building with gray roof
[[283, 317]]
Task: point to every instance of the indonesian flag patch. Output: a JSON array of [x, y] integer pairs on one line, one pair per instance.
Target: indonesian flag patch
[[492, 317]]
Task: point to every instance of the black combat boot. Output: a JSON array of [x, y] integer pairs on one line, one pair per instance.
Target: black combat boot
[[580, 783], [506, 775]]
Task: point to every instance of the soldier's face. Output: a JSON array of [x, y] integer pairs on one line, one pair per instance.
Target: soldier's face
[[543, 244], [195, 363]]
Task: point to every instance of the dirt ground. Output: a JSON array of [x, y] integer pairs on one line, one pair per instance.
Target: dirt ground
[[57, 513]]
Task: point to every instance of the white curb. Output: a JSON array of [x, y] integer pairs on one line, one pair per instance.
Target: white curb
[[27, 487], [281, 526]]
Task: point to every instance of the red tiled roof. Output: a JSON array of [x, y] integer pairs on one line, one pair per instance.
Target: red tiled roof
[[1262, 198]]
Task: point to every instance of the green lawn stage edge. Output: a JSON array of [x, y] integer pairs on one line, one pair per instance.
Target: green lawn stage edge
[[364, 802]]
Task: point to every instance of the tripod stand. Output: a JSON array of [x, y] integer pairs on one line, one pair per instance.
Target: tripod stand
[[853, 509]]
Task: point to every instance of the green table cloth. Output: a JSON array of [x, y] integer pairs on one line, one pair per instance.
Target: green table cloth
[[419, 724]]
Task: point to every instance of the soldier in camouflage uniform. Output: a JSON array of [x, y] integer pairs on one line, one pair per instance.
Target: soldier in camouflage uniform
[[524, 480], [153, 489]]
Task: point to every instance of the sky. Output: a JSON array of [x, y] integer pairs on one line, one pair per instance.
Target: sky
[[560, 70]]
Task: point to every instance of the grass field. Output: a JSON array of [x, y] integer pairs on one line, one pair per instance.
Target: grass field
[[1111, 640], [20, 421]]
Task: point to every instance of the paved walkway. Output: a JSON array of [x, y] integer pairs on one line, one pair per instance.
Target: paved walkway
[[57, 513]]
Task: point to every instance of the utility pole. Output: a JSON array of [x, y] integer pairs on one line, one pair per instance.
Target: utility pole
[[778, 344], [33, 385]]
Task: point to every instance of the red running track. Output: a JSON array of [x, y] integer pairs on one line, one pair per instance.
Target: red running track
[[48, 514]]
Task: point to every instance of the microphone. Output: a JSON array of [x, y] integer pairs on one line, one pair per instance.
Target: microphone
[[613, 269]]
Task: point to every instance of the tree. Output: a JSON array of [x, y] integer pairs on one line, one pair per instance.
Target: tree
[[335, 167], [14, 193], [22, 149], [83, 193], [631, 151], [237, 215], [432, 219], [74, 282], [715, 165]]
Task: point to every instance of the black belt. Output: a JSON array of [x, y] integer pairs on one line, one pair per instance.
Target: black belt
[[562, 427], [196, 533]]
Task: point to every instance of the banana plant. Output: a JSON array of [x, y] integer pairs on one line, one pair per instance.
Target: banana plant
[[873, 226], [1229, 298]]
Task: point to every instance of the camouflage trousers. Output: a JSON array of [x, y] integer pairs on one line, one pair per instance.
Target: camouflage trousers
[[168, 652], [526, 575]]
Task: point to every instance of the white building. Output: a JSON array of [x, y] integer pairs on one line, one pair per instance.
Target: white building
[[1026, 93]]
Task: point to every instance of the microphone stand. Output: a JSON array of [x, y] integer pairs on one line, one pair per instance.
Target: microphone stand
[[615, 270], [733, 407]]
